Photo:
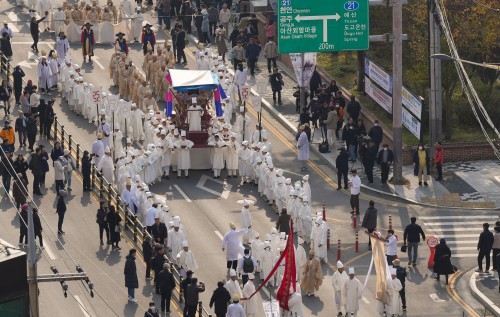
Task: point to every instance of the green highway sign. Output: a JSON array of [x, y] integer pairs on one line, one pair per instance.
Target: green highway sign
[[322, 25]]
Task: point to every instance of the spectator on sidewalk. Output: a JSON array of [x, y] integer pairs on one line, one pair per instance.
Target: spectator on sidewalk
[[193, 291], [350, 136], [19, 190], [213, 17], [23, 226], [18, 75], [370, 221], [252, 52], [342, 164], [35, 165], [332, 88], [220, 41], [439, 160], [484, 246], [340, 123], [59, 169], [130, 272], [339, 99], [61, 211], [167, 285], [411, 238], [376, 134], [220, 298], [355, 185], [315, 82], [224, 17], [496, 248], [21, 129], [31, 131], [421, 164], [276, 81], [384, 159], [369, 154], [8, 136], [237, 54], [353, 108], [271, 53], [21, 166], [270, 28], [305, 117], [331, 124]]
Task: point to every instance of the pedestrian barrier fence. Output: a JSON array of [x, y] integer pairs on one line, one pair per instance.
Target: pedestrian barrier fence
[[106, 192]]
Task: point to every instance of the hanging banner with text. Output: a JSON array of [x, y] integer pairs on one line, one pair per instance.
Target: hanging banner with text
[[377, 94], [303, 71]]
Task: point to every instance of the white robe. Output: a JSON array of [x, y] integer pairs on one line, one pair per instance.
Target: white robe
[[44, 74], [62, 45], [353, 293], [318, 236], [136, 125], [54, 70], [186, 260], [267, 263], [98, 150], [137, 19], [295, 305], [232, 244], [233, 287], [218, 158], [300, 261], [232, 155], [235, 310], [107, 168], [257, 247], [338, 281], [194, 118], [246, 219], [393, 288], [174, 242], [129, 198], [105, 129], [250, 305], [184, 157]]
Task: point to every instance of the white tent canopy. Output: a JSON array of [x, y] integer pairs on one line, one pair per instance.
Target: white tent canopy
[[193, 79]]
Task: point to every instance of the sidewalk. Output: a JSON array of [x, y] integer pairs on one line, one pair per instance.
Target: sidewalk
[[485, 288], [466, 184]]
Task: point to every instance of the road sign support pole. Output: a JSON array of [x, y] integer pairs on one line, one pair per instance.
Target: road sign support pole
[[435, 102], [301, 86], [397, 87], [32, 267]]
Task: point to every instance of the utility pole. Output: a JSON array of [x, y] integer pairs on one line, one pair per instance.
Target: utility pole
[[301, 86], [397, 88], [32, 267], [435, 95]]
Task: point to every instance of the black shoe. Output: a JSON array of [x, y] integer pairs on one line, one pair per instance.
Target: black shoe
[[425, 184], [102, 243], [419, 183], [187, 176], [345, 187], [339, 188]]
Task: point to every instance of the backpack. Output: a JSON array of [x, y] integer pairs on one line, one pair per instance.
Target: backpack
[[248, 265]]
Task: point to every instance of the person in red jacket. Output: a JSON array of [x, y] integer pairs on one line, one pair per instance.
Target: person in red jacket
[[439, 160]]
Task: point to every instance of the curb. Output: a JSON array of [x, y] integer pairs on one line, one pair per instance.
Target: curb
[[481, 297]]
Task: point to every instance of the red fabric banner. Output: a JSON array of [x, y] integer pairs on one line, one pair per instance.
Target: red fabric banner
[[290, 274], [290, 238]]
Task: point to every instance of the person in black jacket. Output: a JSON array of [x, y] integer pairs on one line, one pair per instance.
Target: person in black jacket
[[35, 165], [370, 221], [385, 158], [369, 153], [193, 291], [147, 252], [276, 81], [5, 93], [159, 231], [157, 263], [350, 136], [86, 170], [49, 119], [31, 130], [401, 275], [19, 190], [114, 220], [152, 311], [442, 260], [376, 134], [220, 298], [353, 108], [56, 152], [181, 44], [21, 166], [315, 82], [38, 227], [23, 226], [18, 75], [283, 222], [130, 272], [166, 283], [21, 128], [61, 210], [412, 235], [7, 166], [342, 164], [35, 31], [102, 221], [184, 284], [484, 246], [42, 113]]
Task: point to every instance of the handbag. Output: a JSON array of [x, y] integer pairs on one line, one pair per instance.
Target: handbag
[[403, 248]]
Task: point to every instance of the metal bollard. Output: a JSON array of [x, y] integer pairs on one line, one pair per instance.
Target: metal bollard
[[328, 239], [324, 211], [181, 291], [390, 222], [77, 156], [101, 187], [92, 176], [62, 136], [69, 143], [338, 251], [357, 243], [55, 127], [354, 218], [135, 227], [200, 309], [110, 194]]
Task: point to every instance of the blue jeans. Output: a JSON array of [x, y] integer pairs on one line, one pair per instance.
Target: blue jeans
[[412, 252], [352, 152], [131, 292], [6, 181], [67, 176]]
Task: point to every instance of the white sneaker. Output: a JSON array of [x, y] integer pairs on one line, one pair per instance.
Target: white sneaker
[[133, 300]]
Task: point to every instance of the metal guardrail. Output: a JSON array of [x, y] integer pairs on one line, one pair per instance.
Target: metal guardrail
[[104, 191]]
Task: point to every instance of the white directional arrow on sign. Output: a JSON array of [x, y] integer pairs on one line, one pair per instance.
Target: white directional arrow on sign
[[325, 19]]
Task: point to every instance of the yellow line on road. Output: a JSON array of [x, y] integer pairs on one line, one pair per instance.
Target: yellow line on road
[[454, 295]]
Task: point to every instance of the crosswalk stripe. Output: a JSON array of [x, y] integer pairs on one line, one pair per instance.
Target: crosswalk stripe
[[461, 242], [458, 236], [464, 255], [453, 223], [457, 217]]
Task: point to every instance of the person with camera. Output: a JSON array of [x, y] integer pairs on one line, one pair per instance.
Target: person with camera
[[192, 295], [102, 221], [276, 81]]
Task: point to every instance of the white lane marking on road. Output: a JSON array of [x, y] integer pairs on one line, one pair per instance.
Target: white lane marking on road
[[365, 300], [24, 43], [225, 192], [82, 307], [465, 255], [219, 234], [457, 217], [451, 230], [464, 249], [14, 18], [49, 251], [453, 223], [461, 241], [436, 298], [293, 173], [183, 194], [457, 236], [95, 60]]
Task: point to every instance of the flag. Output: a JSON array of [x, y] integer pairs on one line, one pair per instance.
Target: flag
[[218, 105], [222, 92], [168, 108], [290, 274], [380, 262], [169, 78]]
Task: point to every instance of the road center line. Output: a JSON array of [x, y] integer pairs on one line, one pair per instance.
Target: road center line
[[82, 307], [183, 194], [49, 251], [219, 234]]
